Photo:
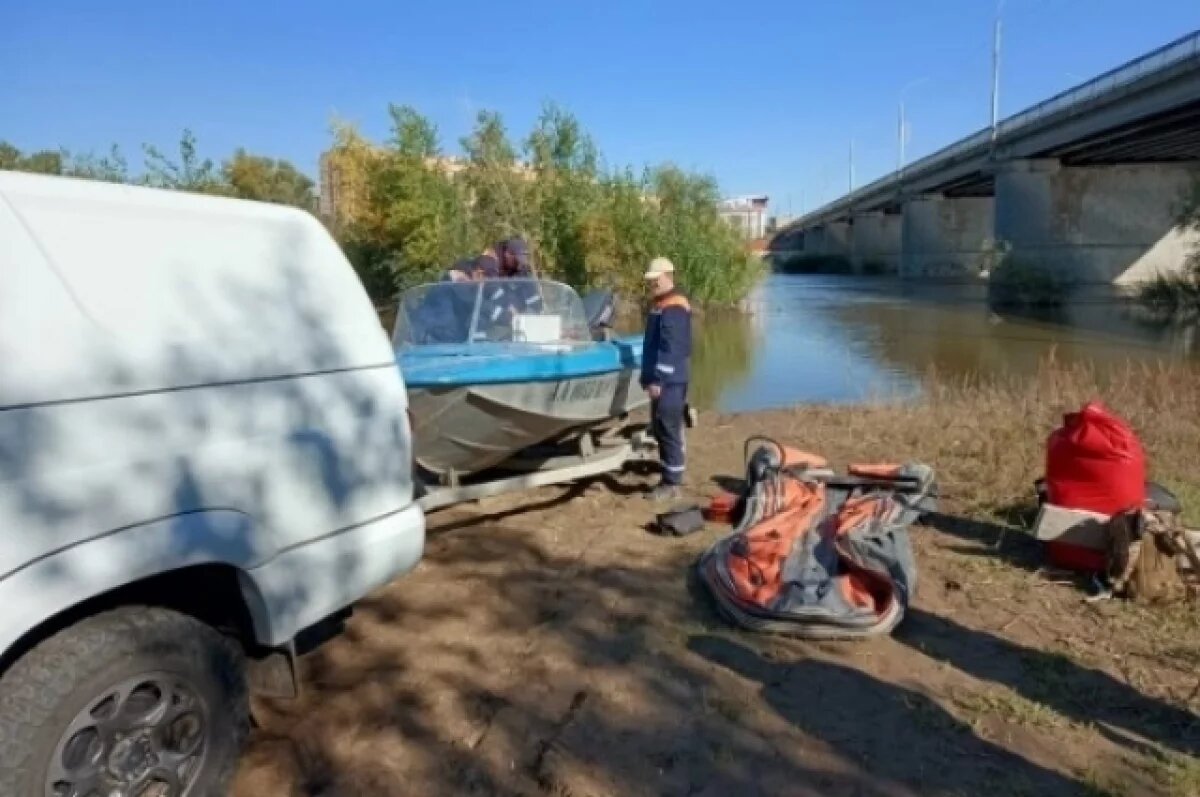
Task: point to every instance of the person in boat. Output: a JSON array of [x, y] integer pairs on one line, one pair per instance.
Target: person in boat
[[666, 365], [511, 259], [494, 304], [507, 260], [444, 313]]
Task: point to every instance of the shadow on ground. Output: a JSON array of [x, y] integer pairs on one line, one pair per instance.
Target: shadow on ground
[[1079, 693], [895, 735], [1006, 543], [538, 652]]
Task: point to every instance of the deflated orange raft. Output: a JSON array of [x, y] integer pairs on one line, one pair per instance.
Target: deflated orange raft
[[816, 554]]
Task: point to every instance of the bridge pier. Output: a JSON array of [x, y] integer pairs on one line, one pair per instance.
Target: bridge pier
[[813, 241], [875, 243], [837, 239], [946, 237], [1096, 224]]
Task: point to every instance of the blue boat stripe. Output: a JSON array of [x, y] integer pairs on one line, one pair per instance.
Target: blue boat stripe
[[496, 362]]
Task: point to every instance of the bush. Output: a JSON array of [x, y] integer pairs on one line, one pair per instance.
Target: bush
[[1016, 283], [1174, 296], [406, 217]]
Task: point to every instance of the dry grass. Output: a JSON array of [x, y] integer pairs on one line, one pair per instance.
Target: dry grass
[[549, 645], [1007, 706], [987, 437], [1180, 774]]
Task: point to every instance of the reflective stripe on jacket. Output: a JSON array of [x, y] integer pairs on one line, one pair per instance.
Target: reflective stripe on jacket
[[667, 345]]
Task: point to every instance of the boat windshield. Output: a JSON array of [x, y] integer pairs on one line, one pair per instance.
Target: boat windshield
[[516, 310]]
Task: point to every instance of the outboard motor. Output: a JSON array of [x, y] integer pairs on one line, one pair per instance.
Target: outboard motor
[[600, 307]]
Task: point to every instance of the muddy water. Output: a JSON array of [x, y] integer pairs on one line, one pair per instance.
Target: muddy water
[[846, 339]]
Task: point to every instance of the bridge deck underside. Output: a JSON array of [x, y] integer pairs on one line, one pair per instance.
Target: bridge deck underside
[[1170, 137]]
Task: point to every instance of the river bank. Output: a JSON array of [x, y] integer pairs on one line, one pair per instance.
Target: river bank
[[548, 644]]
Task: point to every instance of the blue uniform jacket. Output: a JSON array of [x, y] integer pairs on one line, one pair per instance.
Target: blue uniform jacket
[[667, 345], [525, 297]]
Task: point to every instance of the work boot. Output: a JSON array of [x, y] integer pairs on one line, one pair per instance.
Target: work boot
[[663, 492]]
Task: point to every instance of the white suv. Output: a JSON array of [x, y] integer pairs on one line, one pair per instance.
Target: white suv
[[204, 451]]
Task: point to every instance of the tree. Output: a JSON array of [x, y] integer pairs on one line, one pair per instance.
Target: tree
[[267, 180], [398, 215], [43, 162], [110, 168], [413, 136], [558, 142], [495, 182], [566, 195], [10, 156], [416, 210], [189, 174], [47, 161]]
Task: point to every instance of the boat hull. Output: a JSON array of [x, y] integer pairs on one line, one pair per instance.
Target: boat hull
[[470, 428]]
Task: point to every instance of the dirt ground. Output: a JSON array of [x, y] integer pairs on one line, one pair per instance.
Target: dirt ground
[[549, 644]]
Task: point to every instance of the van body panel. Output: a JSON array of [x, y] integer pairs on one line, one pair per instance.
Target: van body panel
[[189, 379], [109, 290]]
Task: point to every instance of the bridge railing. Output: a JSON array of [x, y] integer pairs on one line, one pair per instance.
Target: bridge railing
[[1156, 60]]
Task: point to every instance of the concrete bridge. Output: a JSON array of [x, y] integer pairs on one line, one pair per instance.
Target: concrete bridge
[[1088, 185]]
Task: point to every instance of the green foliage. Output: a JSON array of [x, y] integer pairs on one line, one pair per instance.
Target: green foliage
[[267, 180], [1177, 296], [1174, 296], [43, 162], [10, 156], [404, 213], [111, 168], [408, 213], [408, 219], [495, 186], [565, 193], [413, 136], [243, 175], [708, 254], [190, 173], [1017, 283]]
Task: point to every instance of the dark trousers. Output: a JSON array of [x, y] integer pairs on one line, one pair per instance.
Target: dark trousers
[[666, 423]]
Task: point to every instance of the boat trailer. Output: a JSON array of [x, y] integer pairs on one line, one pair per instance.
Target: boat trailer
[[578, 456]]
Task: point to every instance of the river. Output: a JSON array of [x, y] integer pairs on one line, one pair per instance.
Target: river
[[816, 338]]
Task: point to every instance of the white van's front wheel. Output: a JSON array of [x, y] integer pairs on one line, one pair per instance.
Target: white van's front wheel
[[136, 701]]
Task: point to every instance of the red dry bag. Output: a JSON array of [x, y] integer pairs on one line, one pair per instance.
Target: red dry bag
[[1095, 462]]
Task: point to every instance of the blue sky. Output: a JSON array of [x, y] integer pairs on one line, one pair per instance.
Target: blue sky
[[764, 96]]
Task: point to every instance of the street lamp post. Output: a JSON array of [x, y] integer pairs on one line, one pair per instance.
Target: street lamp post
[[996, 70], [902, 129], [851, 165]]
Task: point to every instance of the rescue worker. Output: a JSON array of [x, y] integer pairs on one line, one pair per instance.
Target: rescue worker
[[444, 312], [513, 255], [666, 364], [494, 304], [513, 258], [508, 259]]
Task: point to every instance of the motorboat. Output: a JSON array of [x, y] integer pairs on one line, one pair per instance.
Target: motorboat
[[498, 367]]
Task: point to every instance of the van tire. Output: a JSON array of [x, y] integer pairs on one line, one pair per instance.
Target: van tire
[[68, 678]]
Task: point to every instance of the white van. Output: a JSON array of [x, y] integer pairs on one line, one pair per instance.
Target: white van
[[204, 451]]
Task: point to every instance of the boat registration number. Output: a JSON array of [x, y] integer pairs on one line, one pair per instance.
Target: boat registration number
[[584, 389]]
